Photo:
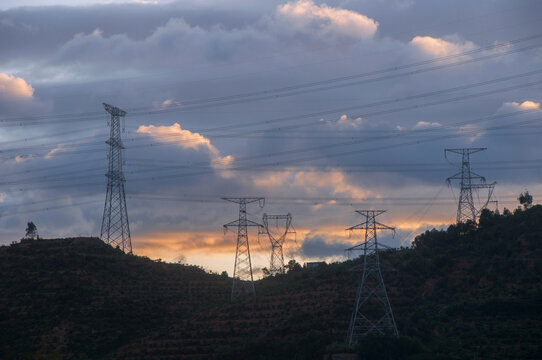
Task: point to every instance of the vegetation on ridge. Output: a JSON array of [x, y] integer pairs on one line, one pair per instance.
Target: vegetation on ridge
[[471, 291]]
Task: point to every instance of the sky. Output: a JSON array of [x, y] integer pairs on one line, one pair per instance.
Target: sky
[[320, 108]]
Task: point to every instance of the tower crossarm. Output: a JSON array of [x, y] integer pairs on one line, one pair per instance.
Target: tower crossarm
[[278, 217], [484, 186], [490, 188], [374, 213], [287, 223], [462, 151], [245, 200], [474, 175], [458, 176], [113, 110], [237, 223], [361, 246], [378, 226]]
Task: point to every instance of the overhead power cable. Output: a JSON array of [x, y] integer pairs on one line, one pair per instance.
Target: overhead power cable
[[290, 161], [273, 92], [75, 142]]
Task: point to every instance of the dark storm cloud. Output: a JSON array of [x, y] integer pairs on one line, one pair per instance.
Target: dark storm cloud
[[322, 246], [318, 246]]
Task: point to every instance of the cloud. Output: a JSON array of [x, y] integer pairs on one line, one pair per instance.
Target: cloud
[[144, 2], [167, 103], [320, 246], [335, 180], [173, 44], [23, 158], [526, 105], [193, 50], [319, 206], [425, 124], [15, 88], [438, 47], [163, 244], [54, 151], [272, 179], [186, 139], [473, 132], [305, 16], [344, 122]]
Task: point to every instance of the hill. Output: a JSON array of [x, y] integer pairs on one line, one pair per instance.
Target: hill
[[470, 292]]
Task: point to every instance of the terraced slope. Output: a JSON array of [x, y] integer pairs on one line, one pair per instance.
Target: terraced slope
[[471, 292], [80, 298]]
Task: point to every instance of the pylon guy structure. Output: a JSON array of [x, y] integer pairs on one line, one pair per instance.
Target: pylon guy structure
[[469, 181], [243, 281], [277, 228], [115, 226], [372, 312]]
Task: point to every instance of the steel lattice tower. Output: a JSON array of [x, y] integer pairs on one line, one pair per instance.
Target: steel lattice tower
[[243, 281], [465, 208], [276, 265], [372, 311], [115, 227]]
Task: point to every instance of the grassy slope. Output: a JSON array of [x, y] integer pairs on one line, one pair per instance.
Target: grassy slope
[[463, 293]]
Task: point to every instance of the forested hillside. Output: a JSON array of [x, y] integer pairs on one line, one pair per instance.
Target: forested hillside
[[470, 292]]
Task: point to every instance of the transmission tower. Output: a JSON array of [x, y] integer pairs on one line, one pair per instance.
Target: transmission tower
[[243, 281], [372, 312], [469, 181], [277, 235], [115, 226]]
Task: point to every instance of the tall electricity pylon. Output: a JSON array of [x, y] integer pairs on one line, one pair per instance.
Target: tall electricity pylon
[[465, 208], [372, 312], [277, 235], [115, 226], [243, 281]]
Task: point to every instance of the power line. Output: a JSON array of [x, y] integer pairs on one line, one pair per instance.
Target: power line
[[50, 208], [203, 199], [309, 87], [310, 158], [254, 168], [147, 110]]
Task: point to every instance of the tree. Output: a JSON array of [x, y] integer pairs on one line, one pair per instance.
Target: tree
[[181, 259], [293, 265], [265, 272], [525, 199], [31, 231]]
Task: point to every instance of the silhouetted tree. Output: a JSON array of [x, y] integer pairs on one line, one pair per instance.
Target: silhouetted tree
[[31, 231], [293, 265], [181, 259], [525, 199]]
